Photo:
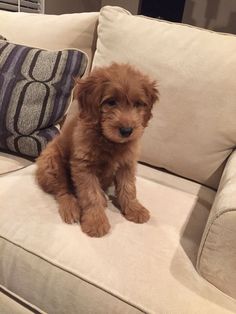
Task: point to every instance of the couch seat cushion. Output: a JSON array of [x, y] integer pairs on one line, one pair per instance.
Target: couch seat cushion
[[11, 303], [193, 128], [9, 163], [134, 269]]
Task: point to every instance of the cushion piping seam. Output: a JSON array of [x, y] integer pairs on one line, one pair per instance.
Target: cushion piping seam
[[15, 170], [185, 25], [212, 222], [20, 301], [76, 275], [124, 12]]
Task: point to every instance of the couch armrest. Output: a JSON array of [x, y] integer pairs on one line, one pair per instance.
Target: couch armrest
[[217, 252]]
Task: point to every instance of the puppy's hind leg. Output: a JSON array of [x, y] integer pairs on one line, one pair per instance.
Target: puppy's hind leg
[[53, 177]]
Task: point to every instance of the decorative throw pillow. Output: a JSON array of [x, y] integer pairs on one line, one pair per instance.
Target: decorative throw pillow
[[2, 38], [35, 88]]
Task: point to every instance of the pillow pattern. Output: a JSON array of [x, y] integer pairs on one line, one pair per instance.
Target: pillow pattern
[[35, 86]]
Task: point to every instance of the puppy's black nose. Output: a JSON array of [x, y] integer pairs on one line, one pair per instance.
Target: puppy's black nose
[[125, 132]]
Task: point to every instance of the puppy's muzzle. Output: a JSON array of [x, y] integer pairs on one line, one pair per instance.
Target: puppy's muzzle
[[125, 132]]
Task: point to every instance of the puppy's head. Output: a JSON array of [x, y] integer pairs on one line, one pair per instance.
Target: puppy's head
[[119, 99]]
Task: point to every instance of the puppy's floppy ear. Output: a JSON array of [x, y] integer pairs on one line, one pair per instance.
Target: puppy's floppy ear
[[89, 95], [152, 94]]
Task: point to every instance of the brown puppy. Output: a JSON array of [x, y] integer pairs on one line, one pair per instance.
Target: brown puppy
[[98, 147]]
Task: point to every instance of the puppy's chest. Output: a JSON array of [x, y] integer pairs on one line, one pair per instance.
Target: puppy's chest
[[106, 167], [107, 164], [106, 160]]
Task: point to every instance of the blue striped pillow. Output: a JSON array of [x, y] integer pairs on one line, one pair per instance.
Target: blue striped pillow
[[35, 86]]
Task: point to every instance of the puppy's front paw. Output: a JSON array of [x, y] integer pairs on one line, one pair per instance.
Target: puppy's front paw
[[69, 209], [137, 214], [95, 223]]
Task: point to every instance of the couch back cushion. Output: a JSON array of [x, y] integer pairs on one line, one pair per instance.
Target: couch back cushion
[[51, 32], [193, 129]]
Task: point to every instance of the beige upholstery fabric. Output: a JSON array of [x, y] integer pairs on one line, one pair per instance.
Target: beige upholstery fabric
[[10, 303], [134, 269], [217, 253], [194, 128], [53, 32], [9, 163]]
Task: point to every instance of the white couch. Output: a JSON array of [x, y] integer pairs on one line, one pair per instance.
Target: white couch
[[183, 260]]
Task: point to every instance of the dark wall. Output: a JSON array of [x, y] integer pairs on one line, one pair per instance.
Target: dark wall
[[171, 10]]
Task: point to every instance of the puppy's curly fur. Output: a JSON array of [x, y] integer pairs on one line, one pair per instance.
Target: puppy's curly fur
[[99, 146]]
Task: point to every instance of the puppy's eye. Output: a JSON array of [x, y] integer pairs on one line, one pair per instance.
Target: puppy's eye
[[139, 104], [110, 102]]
